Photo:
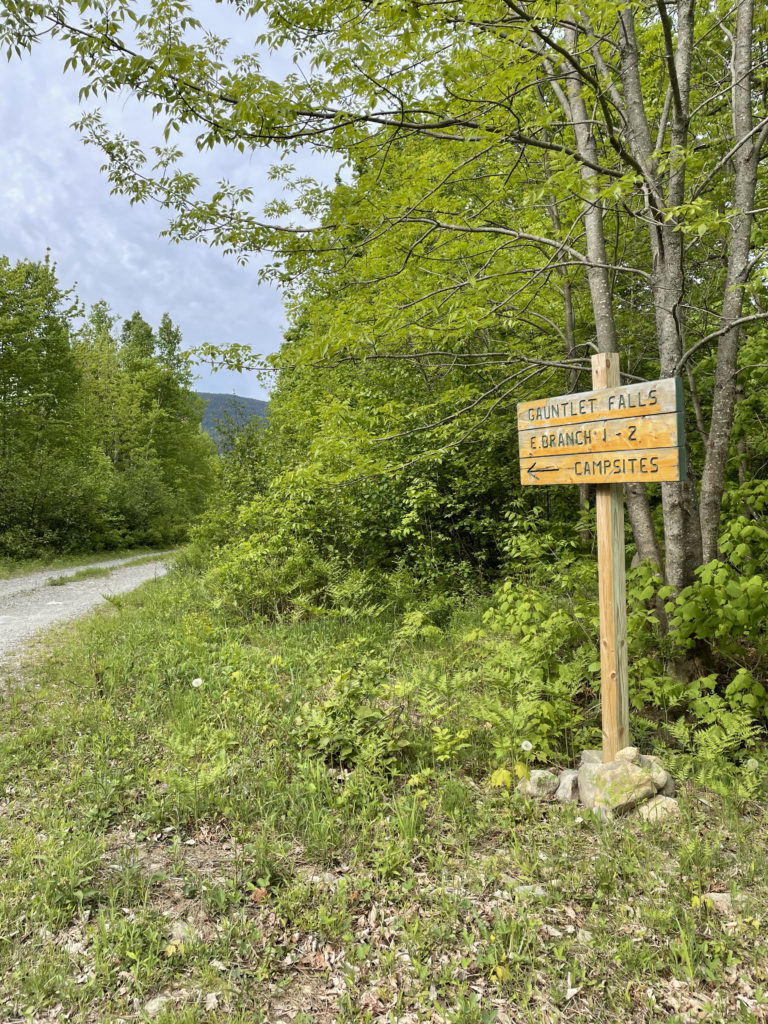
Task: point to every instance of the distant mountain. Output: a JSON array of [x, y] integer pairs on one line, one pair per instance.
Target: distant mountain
[[221, 410]]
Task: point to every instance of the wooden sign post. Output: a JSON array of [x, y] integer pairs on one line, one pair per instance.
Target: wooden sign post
[[608, 437], [612, 589]]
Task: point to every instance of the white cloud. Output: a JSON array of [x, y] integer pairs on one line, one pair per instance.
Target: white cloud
[[53, 195]]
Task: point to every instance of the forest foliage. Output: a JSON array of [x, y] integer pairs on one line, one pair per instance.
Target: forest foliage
[[316, 519], [520, 184], [307, 738], [100, 439]]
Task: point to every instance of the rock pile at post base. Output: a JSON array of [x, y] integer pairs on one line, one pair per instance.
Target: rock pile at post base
[[631, 780]]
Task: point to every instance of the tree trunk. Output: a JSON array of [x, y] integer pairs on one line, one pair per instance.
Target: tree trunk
[[569, 316], [597, 268], [745, 161], [643, 530], [682, 530], [743, 454]]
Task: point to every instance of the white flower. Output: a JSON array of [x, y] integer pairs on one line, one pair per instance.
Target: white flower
[[752, 765], [197, 682], [527, 746]]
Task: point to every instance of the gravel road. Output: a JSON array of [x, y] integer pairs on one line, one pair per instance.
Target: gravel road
[[28, 604]]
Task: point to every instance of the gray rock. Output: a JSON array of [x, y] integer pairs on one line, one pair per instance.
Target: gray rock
[[586, 779], [591, 757], [616, 786], [183, 932], [660, 808], [659, 775], [722, 902], [540, 783], [165, 1000], [646, 760], [529, 890], [567, 787], [631, 754], [155, 1006]]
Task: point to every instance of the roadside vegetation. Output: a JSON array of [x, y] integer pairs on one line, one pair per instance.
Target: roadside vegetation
[[99, 571], [100, 439], [10, 567], [207, 821], [281, 783], [81, 574]]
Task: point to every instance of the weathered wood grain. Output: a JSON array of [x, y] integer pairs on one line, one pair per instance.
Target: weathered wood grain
[[602, 435], [611, 564], [615, 467], [646, 399]]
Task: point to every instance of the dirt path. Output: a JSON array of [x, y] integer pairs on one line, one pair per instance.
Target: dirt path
[[28, 604]]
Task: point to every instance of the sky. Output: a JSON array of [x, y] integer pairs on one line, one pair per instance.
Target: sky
[[54, 196]]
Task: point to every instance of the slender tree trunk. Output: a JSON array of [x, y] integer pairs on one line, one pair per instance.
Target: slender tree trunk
[[597, 269], [601, 292], [585, 534], [745, 162], [682, 531], [569, 316], [646, 541], [743, 453], [643, 530]]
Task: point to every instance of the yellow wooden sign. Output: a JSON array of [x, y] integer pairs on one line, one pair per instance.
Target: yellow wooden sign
[[616, 435], [610, 436]]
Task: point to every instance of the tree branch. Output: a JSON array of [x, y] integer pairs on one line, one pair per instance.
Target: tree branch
[[717, 334]]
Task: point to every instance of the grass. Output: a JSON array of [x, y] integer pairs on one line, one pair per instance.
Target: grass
[[13, 567], [195, 827], [149, 558], [85, 574], [81, 574]]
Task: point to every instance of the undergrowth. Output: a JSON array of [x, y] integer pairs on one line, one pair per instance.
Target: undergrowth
[[208, 820]]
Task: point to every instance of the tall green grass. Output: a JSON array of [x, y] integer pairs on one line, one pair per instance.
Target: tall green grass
[[256, 820]]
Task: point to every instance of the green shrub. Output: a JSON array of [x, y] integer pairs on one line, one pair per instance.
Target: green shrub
[[353, 723], [705, 681], [269, 576]]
